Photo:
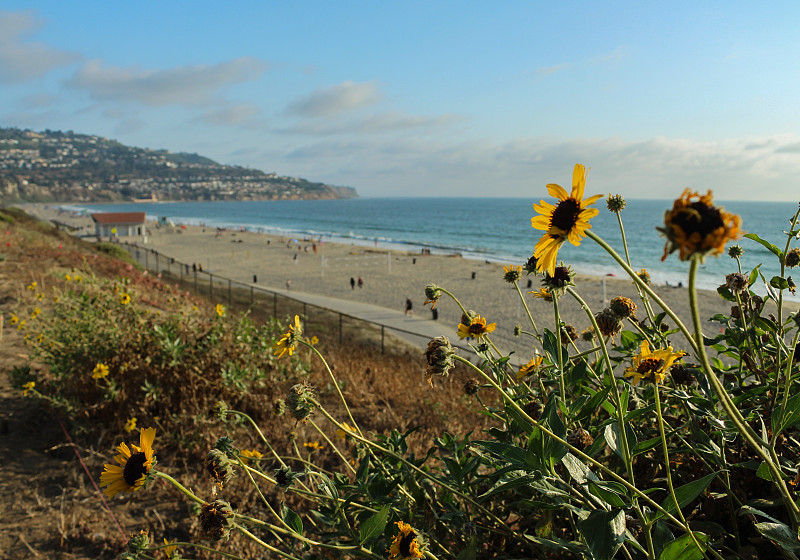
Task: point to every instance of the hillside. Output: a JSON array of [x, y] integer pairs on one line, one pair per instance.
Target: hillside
[[69, 167]]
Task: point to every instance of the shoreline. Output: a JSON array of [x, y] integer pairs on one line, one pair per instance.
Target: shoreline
[[391, 275]]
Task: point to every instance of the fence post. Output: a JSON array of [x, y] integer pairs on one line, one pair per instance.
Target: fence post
[[383, 333], [156, 254], [274, 304], [146, 258], [210, 286], [230, 297], [195, 281], [340, 329], [251, 296], [305, 311]]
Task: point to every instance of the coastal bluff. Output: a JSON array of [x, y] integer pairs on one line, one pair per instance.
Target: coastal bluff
[[55, 166]]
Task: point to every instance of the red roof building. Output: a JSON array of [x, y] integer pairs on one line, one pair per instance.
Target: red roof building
[[119, 224]]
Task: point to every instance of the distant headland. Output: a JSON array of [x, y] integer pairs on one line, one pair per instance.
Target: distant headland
[[55, 166]]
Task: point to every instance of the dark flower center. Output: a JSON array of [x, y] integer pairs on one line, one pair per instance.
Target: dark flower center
[[650, 365], [476, 328], [134, 468], [699, 218], [565, 216], [405, 544]]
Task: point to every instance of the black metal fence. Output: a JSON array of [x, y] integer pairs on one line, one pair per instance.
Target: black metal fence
[[221, 288]]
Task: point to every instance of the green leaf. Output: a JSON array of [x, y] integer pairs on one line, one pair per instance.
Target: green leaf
[[769, 246], [373, 526], [684, 548], [764, 472], [551, 346], [685, 494], [612, 436], [792, 414], [754, 275], [725, 293], [779, 282], [604, 532], [612, 493], [291, 519], [781, 535]]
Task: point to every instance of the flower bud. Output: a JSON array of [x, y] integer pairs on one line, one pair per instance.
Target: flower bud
[[219, 467], [615, 203], [299, 401]]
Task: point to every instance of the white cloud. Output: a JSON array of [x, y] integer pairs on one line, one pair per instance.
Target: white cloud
[[547, 70], [183, 85], [654, 168], [333, 100], [233, 115], [373, 124], [22, 61]]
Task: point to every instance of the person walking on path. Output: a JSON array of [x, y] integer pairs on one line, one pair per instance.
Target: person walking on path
[[352, 283], [360, 282], [409, 307], [288, 284]]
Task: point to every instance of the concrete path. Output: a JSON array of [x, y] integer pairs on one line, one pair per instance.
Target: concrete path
[[414, 329]]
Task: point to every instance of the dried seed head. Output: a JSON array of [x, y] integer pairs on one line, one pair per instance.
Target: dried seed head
[[215, 520], [793, 258], [681, 374], [300, 401], [608, 322], [279, 407], [580, 438], [471, 386], [623, 307], [737, 282], [432, 294], [219, 467], [568, 334], [587, 334], [533, 409], [439, 357]]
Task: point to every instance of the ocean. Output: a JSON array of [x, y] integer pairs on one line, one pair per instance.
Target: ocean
[[495, 229]]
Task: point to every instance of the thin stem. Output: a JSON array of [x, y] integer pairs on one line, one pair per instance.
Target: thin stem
[[335, 383], [667, 468], [647, 289], [528, 311], [755, 442], [559, 349], [333, 445]]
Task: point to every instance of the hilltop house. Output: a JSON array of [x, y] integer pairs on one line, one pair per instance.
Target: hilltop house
[[119, 224]]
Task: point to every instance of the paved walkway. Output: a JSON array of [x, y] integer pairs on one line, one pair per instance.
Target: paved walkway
[[414, 329]]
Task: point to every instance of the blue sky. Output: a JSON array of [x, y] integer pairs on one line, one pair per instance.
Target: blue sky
[[427, 98]]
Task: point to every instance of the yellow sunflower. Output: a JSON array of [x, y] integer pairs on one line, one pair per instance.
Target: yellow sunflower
[[529, 368], [476, 328], [512, 273], [542, 293], [27, 387], [124, 299], [652, 364], [99, 371], [406, 543], [695, 226], [220, 309], [313, 445], [130, 424], [288, 342], [135, 463], [343, 432], [248, 455], [567, 220]]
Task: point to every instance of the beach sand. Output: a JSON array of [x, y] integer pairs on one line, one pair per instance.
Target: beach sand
[[389, 277]]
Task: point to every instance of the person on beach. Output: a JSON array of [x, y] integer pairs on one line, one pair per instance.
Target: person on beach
[[352, 283], [409, 307], [360, 282], [288, 284]]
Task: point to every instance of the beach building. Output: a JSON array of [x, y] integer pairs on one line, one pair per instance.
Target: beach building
[[119, 224]]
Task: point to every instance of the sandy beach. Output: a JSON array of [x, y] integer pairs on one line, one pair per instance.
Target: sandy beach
[[389, 277]]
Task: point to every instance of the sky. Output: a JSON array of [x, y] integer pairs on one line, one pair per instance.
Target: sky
[[479, 99]]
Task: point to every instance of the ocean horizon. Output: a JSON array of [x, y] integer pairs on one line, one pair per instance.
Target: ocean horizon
[[493, 229]]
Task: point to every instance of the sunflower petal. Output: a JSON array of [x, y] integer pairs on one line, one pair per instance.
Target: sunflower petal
[[540, 222], [578, 181], [557, 191], [591, 200]]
